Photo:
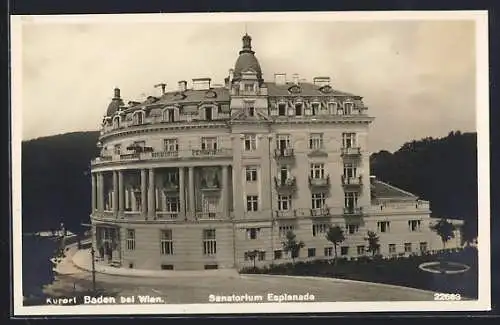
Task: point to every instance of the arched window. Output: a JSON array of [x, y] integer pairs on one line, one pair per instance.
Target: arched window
[[138, 118], [348, 107], [116, 122], [168, 115]]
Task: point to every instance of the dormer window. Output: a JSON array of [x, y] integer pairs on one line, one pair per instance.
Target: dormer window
[[282, 109], [248, 88], [138, 118], [208, 112], [315, 109], [332, 108], [251, 111], [168, 115], [116, 122], [298, 109], [348, 107]]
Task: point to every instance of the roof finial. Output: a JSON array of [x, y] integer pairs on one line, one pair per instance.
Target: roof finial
[[246, 33]]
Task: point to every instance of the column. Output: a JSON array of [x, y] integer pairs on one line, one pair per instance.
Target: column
[[121, 194], [224, 192], [151, 194], [100, 198], [115, 193], [182, 192], [143, 193], [191, 191], [94, 205]]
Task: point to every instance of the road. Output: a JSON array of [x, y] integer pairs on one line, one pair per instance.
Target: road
[[182, 290]]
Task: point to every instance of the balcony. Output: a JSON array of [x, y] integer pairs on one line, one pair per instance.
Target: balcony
[[284, 214], [208, 215], [320, 212], [353, 211], [169, 188], [285, 185], [210, 185], [319, 183], [163, 155], [351, 182], [284, 153], [209, 153], [167, 215], [351, 152], [130, 156]]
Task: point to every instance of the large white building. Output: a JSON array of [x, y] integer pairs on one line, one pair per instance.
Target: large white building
[[198, 177]]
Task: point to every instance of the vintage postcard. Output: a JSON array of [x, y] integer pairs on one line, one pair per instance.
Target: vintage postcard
[[250, 163]]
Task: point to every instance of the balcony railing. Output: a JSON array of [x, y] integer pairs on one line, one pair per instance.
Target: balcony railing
[[164, 154], [208, 215], [286, 213], [288, 184], [167, 215], [351, 181], [350, 151], [284, 153], [320, 212], [353, 211], [223, 152], [319, 182]]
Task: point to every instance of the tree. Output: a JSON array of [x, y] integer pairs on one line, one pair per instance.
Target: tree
[[468, 231], [252, 255], [444, 229], [335, 235], [373, 242], [292, 245]]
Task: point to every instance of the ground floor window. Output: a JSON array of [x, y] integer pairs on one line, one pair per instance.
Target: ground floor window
[[392, 248], [311, 252], [130, 239], [344, 250], [261, 256], [167, 267], [166, 242], [320, 228], [278, 254], [211, 267], [328, 251], [209, 242], [407, 247], [284, 229], [423, 247], [361, 249]]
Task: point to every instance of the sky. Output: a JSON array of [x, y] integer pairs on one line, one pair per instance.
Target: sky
[[417, 77]]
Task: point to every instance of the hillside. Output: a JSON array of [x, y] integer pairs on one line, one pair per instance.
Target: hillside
[[56, 182]]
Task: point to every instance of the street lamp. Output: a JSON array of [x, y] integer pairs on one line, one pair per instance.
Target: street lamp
[[92, 253]]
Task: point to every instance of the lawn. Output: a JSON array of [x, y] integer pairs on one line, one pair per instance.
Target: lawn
[[401, 271]]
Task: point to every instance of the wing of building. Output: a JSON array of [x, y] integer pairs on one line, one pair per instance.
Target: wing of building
[[198, 177]]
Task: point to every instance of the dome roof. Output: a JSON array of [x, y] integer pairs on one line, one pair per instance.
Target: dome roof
[[247, 60], [115, 104]]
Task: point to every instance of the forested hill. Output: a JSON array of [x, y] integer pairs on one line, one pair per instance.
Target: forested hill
[[56, 183], [443, 171]]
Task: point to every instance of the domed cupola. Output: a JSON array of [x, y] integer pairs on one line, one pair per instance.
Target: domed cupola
[[247, 60], [115, 104]]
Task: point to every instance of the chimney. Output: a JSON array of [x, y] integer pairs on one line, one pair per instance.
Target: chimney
[[280, 78], [321, 81], [201, 83], [296, 78], [117, 93], [182, 85], [162, 85]]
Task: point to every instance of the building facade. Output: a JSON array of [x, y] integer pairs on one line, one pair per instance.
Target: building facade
[[198, 177]]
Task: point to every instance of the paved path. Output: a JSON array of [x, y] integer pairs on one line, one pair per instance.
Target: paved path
[[197, 289]]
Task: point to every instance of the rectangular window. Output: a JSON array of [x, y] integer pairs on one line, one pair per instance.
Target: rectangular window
[[317, 171], [320, 228], [252, 203], [348, 106], [251, 174], [209, 143], [248, 88], [251, 111], [261, 256], [117, 149], [392, 248], [315, 109], [349, 170], [344, 250], [414, 225], [316, 141], [383, 226], [167, 267], [168, 115], [298, 109], [332, 107], [349, 140], [250, 141], [166, 242], [130, 239], [360, 249], [209, 242], [311, 252], [318, 200], [350, 200], [278, 254], [284, 202], [284, 229], [423, 247], [171, 145], [283, 141], [282, 109], [324, 109], [252, 233], [328, 251], [352, 228], [407, 247], [172, 204]]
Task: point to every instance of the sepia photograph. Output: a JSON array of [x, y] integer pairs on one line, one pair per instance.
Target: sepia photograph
[[250, 163]]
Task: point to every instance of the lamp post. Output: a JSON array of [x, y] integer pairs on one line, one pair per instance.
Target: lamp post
[[92, 253]]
